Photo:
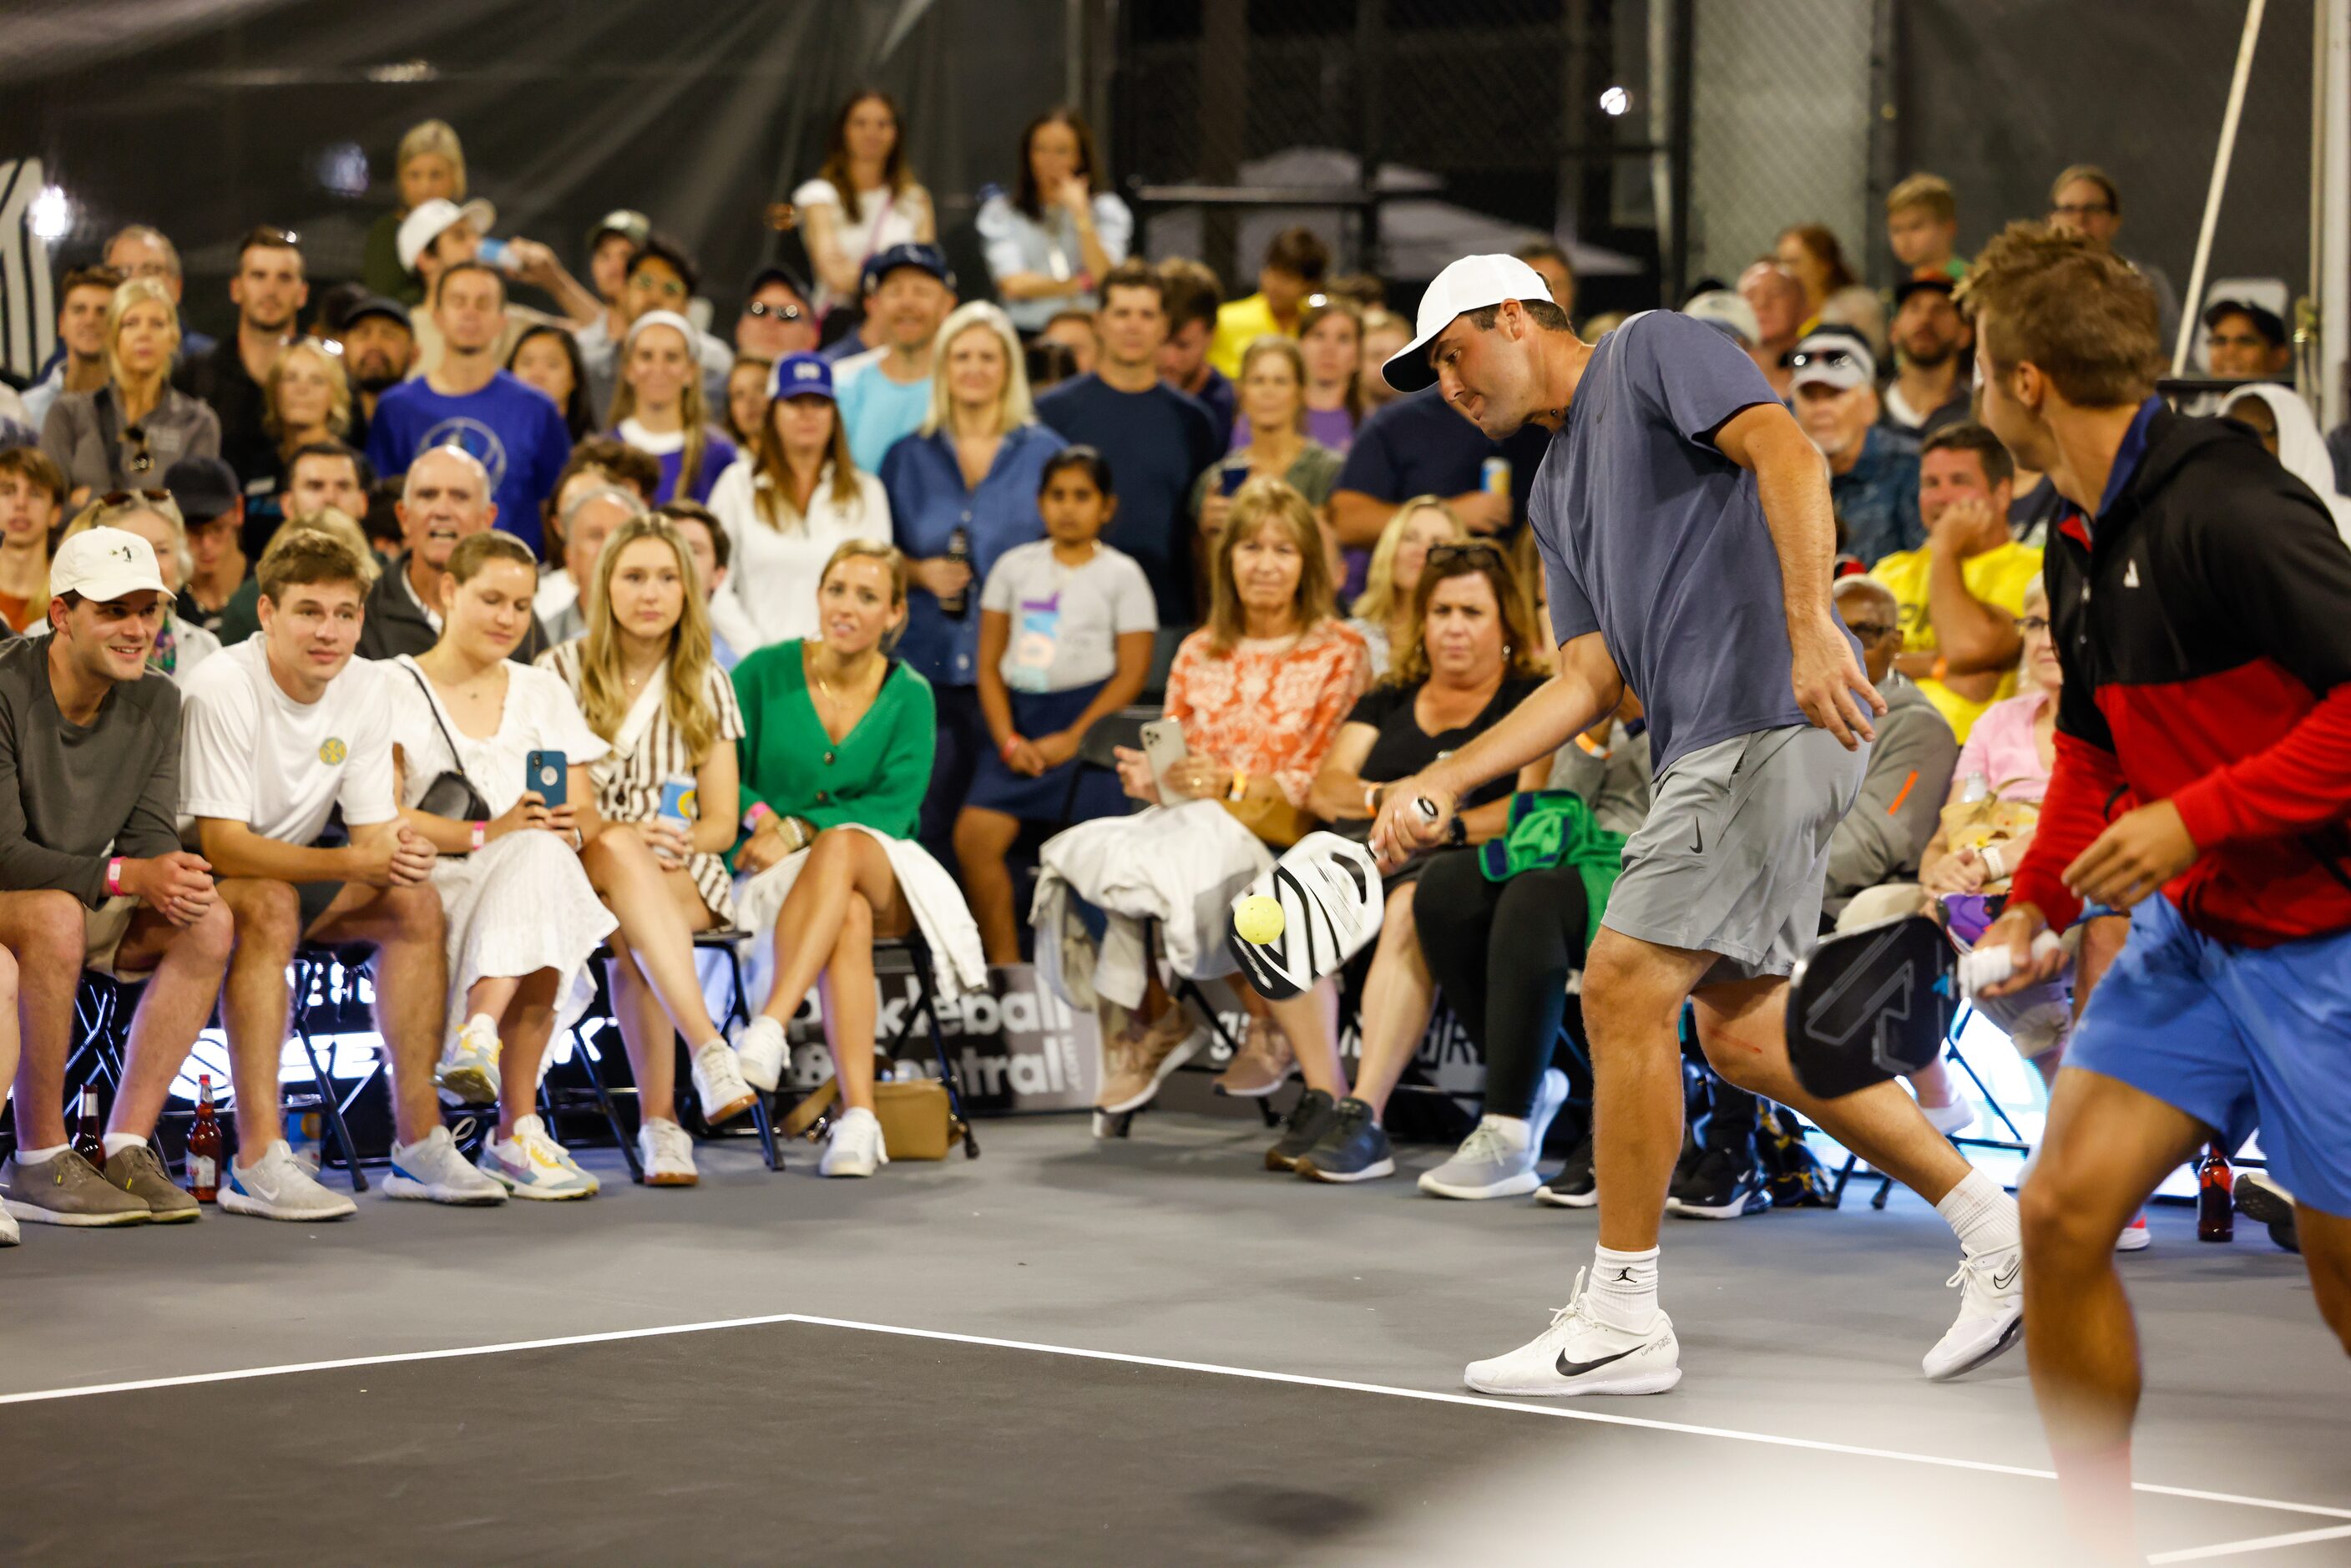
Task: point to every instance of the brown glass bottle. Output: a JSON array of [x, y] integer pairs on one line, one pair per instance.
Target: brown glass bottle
[[89, 1131], [2216, 1197], [204, 1145]]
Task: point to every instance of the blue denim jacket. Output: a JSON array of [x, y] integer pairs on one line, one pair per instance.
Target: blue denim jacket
[[928, 502], [1877, 498]]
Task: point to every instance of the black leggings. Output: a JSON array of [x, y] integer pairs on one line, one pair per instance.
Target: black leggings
[[1502, 951]]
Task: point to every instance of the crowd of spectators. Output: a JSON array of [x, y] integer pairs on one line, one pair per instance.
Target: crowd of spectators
[[511, 640]]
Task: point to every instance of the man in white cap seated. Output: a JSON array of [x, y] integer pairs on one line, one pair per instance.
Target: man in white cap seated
[[93, 877], [438, 233], [1684, 523]]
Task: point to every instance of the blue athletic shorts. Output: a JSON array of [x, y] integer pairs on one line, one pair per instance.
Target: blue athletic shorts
[[2238, 1038]]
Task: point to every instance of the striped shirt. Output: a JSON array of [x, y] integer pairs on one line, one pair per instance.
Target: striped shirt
[[629, 787]]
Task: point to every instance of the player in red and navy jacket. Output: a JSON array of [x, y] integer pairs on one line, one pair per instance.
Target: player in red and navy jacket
[[2200, 599]]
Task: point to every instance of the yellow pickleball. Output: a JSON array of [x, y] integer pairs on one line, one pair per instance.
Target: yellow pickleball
[[1257, 920]]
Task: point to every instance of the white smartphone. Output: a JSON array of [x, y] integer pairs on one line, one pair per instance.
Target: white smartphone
[[1163, 747]]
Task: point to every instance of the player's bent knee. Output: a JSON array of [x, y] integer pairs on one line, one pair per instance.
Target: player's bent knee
[[2061, 1228]]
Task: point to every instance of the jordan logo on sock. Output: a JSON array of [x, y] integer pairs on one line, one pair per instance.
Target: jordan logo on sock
[[1624, 1276]]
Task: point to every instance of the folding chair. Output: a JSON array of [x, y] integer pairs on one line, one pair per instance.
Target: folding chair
[[2015, 1142], [327, 978]]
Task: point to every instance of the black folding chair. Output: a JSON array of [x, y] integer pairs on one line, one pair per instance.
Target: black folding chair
[[327, 978]]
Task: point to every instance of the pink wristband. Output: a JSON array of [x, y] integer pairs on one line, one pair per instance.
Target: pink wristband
[[481, 834], [759, 809], [114, 877]]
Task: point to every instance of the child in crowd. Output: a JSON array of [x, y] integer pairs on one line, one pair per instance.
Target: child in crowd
[[1065, 629]]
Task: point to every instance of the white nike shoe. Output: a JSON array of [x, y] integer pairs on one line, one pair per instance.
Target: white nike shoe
[[433, 1171], [279, 1186], [1581, 1354], [761, 1054], [1991, 1312], [855, 1146]]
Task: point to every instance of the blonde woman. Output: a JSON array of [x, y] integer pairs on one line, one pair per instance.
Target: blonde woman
[[430, 163], [1383, 611], [658, 407], [306, 397], [972, 473], [646, 682], [863, 201], [791, 500], [123, 435]]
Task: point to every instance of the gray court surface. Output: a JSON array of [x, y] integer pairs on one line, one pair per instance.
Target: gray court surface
[[1147, 1352]]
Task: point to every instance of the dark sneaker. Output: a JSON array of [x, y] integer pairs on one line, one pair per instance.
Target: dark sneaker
[[1302, 1130], [1354, 1149], [1685, 1165], [2261, 1200], [137, 1171], [1727, 1183], [67, 1190], [1574, 1187]]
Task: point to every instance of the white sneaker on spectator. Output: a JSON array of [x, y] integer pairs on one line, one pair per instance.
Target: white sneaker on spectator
[[718, 1081], [277, 1186], [8, 1237], [2135, 1236], [533, 1165], [855, 1146], [1950, 1120], [432, 1170], [763, 1052], [1991, 1312], [468, 1071], [666, 1152]]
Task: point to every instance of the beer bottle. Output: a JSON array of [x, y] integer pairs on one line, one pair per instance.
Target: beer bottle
[[90, 1133], [959, 551], [2216, 1206], [204, 1145]]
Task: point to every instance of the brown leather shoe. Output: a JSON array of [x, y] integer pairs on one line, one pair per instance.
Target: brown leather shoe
[[1138, 1059], [1261, 1066]]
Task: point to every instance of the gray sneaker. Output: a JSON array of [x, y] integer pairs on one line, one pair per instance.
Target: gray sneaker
[[1488, 1164], [67, 1190], [137, 1171]]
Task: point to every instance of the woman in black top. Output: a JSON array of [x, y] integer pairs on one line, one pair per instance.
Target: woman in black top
[[1472, 654]]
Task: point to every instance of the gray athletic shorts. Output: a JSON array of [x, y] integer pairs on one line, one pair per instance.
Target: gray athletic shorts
[[1735, 853]]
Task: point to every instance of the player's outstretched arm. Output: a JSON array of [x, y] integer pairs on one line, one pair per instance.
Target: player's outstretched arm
[[1793, 483], [1587, 687]]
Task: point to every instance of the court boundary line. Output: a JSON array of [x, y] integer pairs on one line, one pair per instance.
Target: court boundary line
[[1259, 1375], [2262, 1543]]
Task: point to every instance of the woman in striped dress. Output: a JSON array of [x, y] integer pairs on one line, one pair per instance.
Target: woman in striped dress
[[645, 679]]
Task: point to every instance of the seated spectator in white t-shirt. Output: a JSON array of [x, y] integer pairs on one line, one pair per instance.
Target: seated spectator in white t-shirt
[[1066, 629], [93, 877], [471, 734], [281, 730], [863, 201]]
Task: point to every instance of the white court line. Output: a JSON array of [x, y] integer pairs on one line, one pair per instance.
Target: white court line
[[1553, 1412], [2233, 1548]]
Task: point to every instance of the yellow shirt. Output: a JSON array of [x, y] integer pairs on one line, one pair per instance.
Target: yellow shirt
[[1997, 578], [1238, 325]]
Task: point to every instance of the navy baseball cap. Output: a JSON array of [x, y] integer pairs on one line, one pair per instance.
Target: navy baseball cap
[[801, 375], [373, 305], [927, 258], [202, 488]]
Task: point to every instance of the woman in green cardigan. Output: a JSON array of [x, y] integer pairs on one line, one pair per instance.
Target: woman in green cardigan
[[837, 737]]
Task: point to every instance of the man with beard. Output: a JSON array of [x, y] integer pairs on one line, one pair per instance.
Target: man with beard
[[1873, 471], [378, 347], [1933, 342], [269, 291], [446, 499]]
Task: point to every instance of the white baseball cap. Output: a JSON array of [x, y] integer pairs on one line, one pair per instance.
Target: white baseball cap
[[105, 564], [1473, 283], [425, 225], [1724, 309]]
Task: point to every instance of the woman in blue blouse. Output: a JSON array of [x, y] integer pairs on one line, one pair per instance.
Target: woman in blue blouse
[[973, 468], [1053, 239]]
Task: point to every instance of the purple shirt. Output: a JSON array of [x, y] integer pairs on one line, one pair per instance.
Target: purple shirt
[[1332, 427]]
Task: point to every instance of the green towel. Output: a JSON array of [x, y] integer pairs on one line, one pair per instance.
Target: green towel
[[1551, 827]]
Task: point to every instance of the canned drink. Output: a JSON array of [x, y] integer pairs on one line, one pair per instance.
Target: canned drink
[[679, 803], [1494, 478]]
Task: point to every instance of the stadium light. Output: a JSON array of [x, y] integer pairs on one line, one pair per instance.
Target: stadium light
[[1616, 101], [52, 214]]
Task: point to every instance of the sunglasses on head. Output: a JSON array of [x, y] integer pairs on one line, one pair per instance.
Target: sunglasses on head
[[759, 309], [1475, 554], [1837, 358], [141, 459]]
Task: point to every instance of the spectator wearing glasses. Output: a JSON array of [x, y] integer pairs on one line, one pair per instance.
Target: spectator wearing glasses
[[1775, 297], [659, 407], [646, 681], [547, 358], [1052, 241], [1472, 654], [179, 645], [1193, 294], [280, 731], [1922, 229], [2084, 200], [1832, 296], [94, 878], [127, 432], [213, 507], [143, 251], [1296, 263], [32, 500], [662, 277], [1883, 839], [444, 500], [1383, 612], [83, 297], [1934, 351], [1873, 471], [1961, 593], [1155, 438], [863, 201], [795, 497], [2246, 341], [269, 290], [779, 317], [885, 392], [971, 470]]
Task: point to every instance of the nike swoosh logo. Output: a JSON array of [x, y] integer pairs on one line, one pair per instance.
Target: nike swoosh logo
[[1578, 1368], [1698, 840], [2006, 1277]]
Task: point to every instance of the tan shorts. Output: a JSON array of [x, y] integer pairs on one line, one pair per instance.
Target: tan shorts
[[103, 929]]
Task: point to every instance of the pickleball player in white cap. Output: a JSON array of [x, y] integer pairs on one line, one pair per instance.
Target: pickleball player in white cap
[[1685, 529]]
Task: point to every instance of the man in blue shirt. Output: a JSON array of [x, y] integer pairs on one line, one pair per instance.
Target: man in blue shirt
[[1415, 445], [1872, 469], [1684, 526], [1192, 297], [884, 393], [466, 401], [1156, 439]]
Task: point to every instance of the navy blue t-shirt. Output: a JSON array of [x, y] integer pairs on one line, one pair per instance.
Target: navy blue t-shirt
[[1419, 444], [1158, 443], [1654, 538], [513, 428]]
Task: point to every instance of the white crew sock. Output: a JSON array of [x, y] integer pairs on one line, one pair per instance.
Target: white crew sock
[[117, 1142], [1983, 1216], [40, 1156], [1513, 1129], [1624, 1287]]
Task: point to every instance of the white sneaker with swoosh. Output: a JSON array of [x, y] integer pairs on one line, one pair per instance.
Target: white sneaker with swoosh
[[1991, 1312], [1581, 1354], [533, 1165]]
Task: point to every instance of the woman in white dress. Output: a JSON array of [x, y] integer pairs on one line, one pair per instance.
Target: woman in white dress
[[645, 682], [791, 500], [522, 917], [863, 201]]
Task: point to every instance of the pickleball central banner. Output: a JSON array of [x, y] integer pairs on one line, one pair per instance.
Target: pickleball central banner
[[1016, 1046]]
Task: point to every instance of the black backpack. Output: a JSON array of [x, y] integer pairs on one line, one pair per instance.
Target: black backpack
[[1794, 1174]]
